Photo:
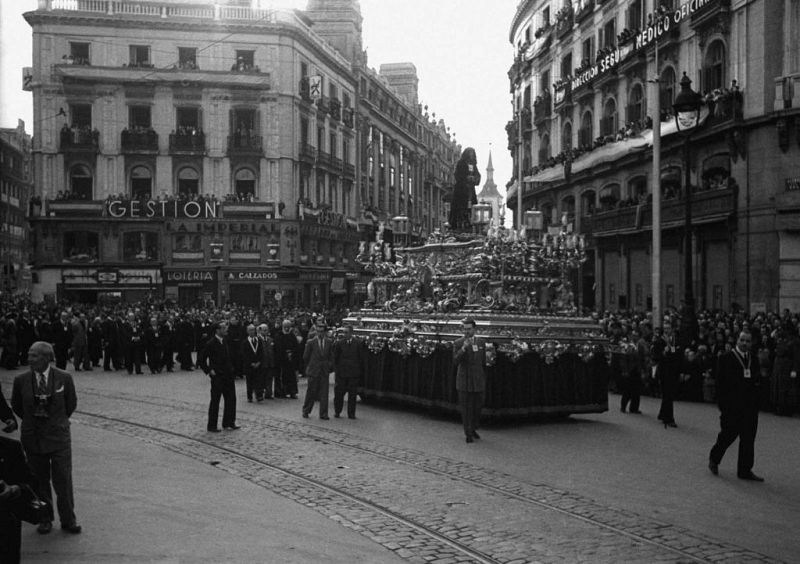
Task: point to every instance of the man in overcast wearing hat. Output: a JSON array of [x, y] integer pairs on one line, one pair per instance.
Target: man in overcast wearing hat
[[469, 355]]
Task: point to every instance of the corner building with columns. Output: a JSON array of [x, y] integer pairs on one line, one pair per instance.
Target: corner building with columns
[[585, 96], [213, 152]]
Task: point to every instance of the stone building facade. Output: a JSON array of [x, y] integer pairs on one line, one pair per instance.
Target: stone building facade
[[206, 152], [585, 97], [16, 189]]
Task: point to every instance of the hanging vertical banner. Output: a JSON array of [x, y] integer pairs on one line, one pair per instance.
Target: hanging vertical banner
[[216, 252]]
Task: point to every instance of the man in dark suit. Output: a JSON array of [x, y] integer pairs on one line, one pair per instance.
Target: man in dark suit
[[252, 353], [668, 357], [469, 355], [44, 399], [62, 340], [184, 342], [348, 363], [132, 339], [80, 343], [737, 396], [110, 335], [286, 353], [268, 364], [215, 360], [318, 360]]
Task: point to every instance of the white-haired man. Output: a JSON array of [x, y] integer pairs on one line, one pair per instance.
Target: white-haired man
[[44, 399]]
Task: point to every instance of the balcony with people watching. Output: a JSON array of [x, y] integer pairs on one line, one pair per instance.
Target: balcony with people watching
[[79, 138], [187, 140], [139, 140]]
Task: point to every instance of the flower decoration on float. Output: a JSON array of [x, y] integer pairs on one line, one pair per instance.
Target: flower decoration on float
[[422, 346], [375, 343]]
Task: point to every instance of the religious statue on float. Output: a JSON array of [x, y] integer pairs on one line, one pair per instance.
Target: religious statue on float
[[464, 196]]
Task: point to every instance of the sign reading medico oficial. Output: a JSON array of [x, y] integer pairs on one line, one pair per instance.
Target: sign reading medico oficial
[[145, 209]]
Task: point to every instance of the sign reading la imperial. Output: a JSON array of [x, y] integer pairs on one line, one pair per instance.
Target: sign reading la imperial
[[146, 209]]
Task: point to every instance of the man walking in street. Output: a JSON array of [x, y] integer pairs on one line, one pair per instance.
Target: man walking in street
[[215, 360], [348, 364], [286, 353], [62, 340], [44, 399], [252, 354], [469, 355], [318, 359], [737, 396]]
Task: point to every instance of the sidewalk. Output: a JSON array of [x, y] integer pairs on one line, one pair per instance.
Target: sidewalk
[[141, 503]]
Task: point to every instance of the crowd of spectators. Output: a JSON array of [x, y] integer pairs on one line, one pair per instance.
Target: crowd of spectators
[[776, 338], [776, 341], [108, 329]]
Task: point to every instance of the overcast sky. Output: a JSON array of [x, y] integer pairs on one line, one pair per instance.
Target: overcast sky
[[460, 49]]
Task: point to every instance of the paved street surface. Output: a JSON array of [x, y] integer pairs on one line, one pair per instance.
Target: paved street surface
[[397, 486]]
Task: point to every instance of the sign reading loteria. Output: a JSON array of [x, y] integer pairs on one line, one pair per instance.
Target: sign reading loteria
[[144, 209]]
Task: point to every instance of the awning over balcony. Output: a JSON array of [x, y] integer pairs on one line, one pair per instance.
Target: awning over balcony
[[609, 153]]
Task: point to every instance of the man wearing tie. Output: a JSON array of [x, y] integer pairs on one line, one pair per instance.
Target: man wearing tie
[[62, 340], [737, 396], [469, 356], [252, 357], [348, 362], [215, 361], [318, 359], [44, 398]]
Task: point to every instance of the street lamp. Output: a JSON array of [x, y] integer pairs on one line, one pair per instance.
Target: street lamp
[[481, 216], [687, 118], [534, 223]]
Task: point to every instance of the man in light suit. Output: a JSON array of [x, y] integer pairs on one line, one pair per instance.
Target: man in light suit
[[318, 360], [737, 396], [44, 399], [469, 355]]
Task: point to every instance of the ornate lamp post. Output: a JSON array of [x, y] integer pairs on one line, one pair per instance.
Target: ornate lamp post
[[481, 217], [534, 223], [687, 118]]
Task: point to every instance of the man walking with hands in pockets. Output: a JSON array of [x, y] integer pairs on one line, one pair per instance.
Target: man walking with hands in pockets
[[469, 355]]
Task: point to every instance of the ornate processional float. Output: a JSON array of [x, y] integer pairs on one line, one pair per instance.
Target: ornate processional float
[[544, 358]]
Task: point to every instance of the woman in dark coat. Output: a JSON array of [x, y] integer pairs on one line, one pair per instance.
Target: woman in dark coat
[[467, 177]]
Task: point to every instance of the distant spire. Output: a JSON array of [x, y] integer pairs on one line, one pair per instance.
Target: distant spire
[[489, 190]]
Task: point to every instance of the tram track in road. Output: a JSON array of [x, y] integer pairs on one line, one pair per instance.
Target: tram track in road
[[451, 546], [643, 533]]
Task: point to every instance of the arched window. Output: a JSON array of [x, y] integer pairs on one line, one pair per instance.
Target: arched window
[[188, 181], [548, 213], [141, 183], [636, 109], [714, 67], [80, 182], [544, 150], [667, 83], [586, 133], [608, 123], [588, 202], [568, 207], [670, 183], [637, 189], [566, 137], [609, 196], [244, 182]]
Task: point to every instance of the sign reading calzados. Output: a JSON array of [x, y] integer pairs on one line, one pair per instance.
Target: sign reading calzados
[[154, 208]]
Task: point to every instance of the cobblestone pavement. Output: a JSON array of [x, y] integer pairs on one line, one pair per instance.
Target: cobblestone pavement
[[423, 507]]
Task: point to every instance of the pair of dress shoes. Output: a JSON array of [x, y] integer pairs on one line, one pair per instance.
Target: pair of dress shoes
[[749, 476], [475, 435], [46, 526]]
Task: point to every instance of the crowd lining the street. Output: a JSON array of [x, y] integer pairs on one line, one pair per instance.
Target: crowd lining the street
[[158, 334]]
